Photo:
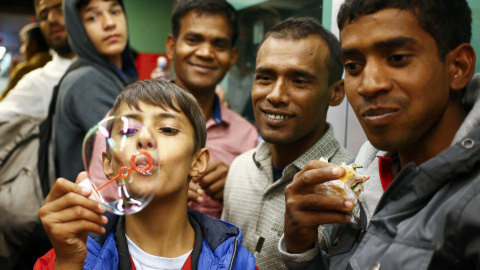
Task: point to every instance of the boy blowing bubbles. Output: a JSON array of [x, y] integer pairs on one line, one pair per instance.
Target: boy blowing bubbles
[[164, 230]]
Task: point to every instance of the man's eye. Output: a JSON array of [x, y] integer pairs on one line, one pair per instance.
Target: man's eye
[[352, 68], [168, 131], [43, 16], [221, 46], [299, 81], [191, 41], [263, 78], [399, 59]]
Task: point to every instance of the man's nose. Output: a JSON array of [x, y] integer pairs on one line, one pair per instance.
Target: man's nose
[[279, 93], [205, 51], [375, 79]]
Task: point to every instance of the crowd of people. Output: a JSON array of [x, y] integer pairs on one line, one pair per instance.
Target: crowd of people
[[240, 196]]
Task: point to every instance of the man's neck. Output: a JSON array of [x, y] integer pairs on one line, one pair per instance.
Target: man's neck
[[162, 229], [284, 154]]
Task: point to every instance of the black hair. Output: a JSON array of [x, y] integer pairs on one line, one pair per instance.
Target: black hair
[[32, 32], [449, 22], [222, 7], [165, 95], [300, 28]]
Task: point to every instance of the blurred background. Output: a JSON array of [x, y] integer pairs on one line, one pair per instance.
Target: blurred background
[[149, 26]]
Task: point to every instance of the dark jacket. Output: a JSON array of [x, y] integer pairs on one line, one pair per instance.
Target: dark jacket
[[428, 217], [217, 246], [86, 94]]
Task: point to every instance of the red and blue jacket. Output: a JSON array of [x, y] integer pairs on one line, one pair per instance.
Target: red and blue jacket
[[217, 246]]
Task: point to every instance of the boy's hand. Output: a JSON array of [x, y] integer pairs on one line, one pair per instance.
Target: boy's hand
[[213, 181], [306, 210], [67, 216]]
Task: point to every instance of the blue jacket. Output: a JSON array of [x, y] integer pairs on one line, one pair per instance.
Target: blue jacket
[[217, 246]]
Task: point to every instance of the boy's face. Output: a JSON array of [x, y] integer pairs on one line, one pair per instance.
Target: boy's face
[[52, 23], [394, 79], [106, 25], [202, 52], [170, 140], [290, 91]]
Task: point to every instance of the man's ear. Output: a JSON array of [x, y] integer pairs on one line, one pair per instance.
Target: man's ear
[[200, 163], [107, 165], [170, 46], [461, 62], [337, 90], [234, 58]]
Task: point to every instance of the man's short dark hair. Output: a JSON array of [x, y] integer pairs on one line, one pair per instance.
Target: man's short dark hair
[[165, 95], [300, 28], [449, 22], [222, 7], [32, 32]]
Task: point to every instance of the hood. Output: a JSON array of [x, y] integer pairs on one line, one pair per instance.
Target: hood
[[86, 51], [471, 101]]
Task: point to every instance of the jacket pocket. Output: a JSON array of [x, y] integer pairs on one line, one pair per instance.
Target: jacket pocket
[[342, 239], [378, 251]]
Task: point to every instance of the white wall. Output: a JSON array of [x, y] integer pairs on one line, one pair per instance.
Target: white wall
[[345, 124]]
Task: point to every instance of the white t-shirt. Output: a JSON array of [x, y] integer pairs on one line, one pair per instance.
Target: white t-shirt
[[145, 261]]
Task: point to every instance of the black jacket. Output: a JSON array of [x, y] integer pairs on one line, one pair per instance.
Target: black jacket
[[428, 218]]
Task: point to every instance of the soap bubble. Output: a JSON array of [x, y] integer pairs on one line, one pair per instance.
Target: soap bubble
[[121, 158]]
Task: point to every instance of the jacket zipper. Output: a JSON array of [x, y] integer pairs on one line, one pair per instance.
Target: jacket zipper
[[235, 247]]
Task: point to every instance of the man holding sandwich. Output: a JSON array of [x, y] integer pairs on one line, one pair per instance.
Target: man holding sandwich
[[409, 68]]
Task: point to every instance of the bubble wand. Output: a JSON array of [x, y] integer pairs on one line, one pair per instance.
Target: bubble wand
[[123, 172]]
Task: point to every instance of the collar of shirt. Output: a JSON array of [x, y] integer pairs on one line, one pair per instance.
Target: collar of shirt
[[217, 110], [388, 167], [326, 147]]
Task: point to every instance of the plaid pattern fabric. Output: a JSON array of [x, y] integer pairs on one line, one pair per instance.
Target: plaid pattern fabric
[[256, 204]]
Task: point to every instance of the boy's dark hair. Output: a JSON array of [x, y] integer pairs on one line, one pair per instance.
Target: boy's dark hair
[[166, 95], [449, 22], [222, 7], [300, 28], [32, 32]]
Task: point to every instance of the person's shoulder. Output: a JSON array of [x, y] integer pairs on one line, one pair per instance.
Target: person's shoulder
[[30, 78], [85, 80], [244, 159], [341, 155], [366, 154]]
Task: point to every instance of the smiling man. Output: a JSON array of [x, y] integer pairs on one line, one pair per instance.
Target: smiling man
[[409, 67], [297, 77], [202, 48]]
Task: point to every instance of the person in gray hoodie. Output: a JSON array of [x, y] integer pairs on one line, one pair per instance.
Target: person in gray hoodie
[[98, 34], [409, 78]]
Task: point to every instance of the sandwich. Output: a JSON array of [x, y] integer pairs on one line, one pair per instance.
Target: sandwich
[[348, 186]]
